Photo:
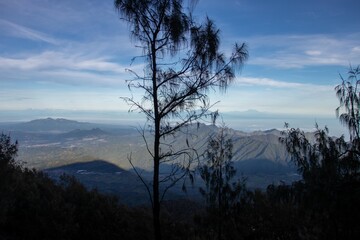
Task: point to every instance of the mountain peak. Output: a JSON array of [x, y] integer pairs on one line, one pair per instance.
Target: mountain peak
[[52, 125], [53, 120]]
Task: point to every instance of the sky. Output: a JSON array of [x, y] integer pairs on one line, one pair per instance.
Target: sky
[[69, 58]]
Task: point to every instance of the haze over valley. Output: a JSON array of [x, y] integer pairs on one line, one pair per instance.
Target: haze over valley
[[84, 149]]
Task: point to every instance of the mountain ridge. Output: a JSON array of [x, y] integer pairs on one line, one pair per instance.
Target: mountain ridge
[[257, 155], [92, 142]]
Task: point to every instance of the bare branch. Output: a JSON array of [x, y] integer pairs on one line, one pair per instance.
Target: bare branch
[[141, 179]]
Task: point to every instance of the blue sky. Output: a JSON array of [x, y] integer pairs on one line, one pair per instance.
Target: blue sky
[[71, 55]]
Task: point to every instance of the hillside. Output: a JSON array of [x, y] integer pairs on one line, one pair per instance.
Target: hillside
[[45, 144], [106, 177]]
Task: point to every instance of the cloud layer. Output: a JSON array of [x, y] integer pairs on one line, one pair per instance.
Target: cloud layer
[[299, 51], [73, 55]]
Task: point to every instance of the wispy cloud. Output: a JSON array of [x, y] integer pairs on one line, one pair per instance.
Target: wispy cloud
[[68, 67], [19, 31], [74, 99], [266, 82], [298, 51], [58, 60]]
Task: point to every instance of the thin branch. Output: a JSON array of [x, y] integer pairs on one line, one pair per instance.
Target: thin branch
[[146, 142], [141, 179]]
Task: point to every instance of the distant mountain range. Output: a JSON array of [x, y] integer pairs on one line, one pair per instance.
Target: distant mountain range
[[56, 143], [58, 125]]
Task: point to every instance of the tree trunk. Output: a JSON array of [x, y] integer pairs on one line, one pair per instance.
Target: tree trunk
[[156, 194], [220, 202], [156, 203], [157, 121]]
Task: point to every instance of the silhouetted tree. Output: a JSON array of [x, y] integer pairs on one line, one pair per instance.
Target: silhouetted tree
[[348, 93], [8, 151], [183, 63], [323, 160], [330, 169], [221, 192]]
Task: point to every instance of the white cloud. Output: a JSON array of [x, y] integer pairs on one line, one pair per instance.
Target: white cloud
[[19, 31], [60, 60], [298, 51], [313, 52], [100, 61], [74, 99], [61, 16], [70, 66], [356, 49], [266, 82], [98, 55], [274, 96]]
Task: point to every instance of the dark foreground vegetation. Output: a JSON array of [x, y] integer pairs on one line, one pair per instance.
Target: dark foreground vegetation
[[32, 206]]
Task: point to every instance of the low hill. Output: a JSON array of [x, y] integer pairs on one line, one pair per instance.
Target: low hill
[[92, 167], [107, 178], [78, 133], [111, 179]]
